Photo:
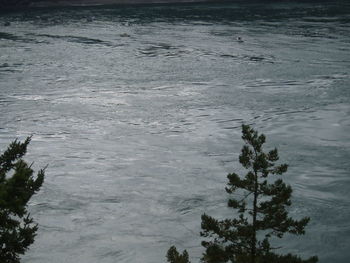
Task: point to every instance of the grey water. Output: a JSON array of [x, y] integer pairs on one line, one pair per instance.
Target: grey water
[[137, 112]]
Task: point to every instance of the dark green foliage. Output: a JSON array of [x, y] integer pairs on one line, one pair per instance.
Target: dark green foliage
[[261, 205], [17, 186], [173, 256]]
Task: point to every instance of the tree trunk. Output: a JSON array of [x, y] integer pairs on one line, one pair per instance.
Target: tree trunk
[[253, 248]]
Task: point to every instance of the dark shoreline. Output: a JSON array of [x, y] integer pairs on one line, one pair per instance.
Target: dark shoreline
[[24, 4], [49, 3]]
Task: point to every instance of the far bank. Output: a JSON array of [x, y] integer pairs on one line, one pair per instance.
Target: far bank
[[20, 4]]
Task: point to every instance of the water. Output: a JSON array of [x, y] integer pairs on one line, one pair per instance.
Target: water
[[137, 112]]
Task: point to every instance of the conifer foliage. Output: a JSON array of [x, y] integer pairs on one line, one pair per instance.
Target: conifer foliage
[[261, 203], [173, 256], [17, 186]]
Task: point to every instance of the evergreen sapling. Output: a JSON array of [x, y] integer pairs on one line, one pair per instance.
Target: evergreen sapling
[[261, 204], [17, 186]]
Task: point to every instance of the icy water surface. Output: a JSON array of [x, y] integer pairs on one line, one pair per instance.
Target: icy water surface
[[138, 111]]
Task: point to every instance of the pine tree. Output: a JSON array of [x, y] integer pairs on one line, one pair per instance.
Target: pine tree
[[17, 186], [173, 256], [261, 204]]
